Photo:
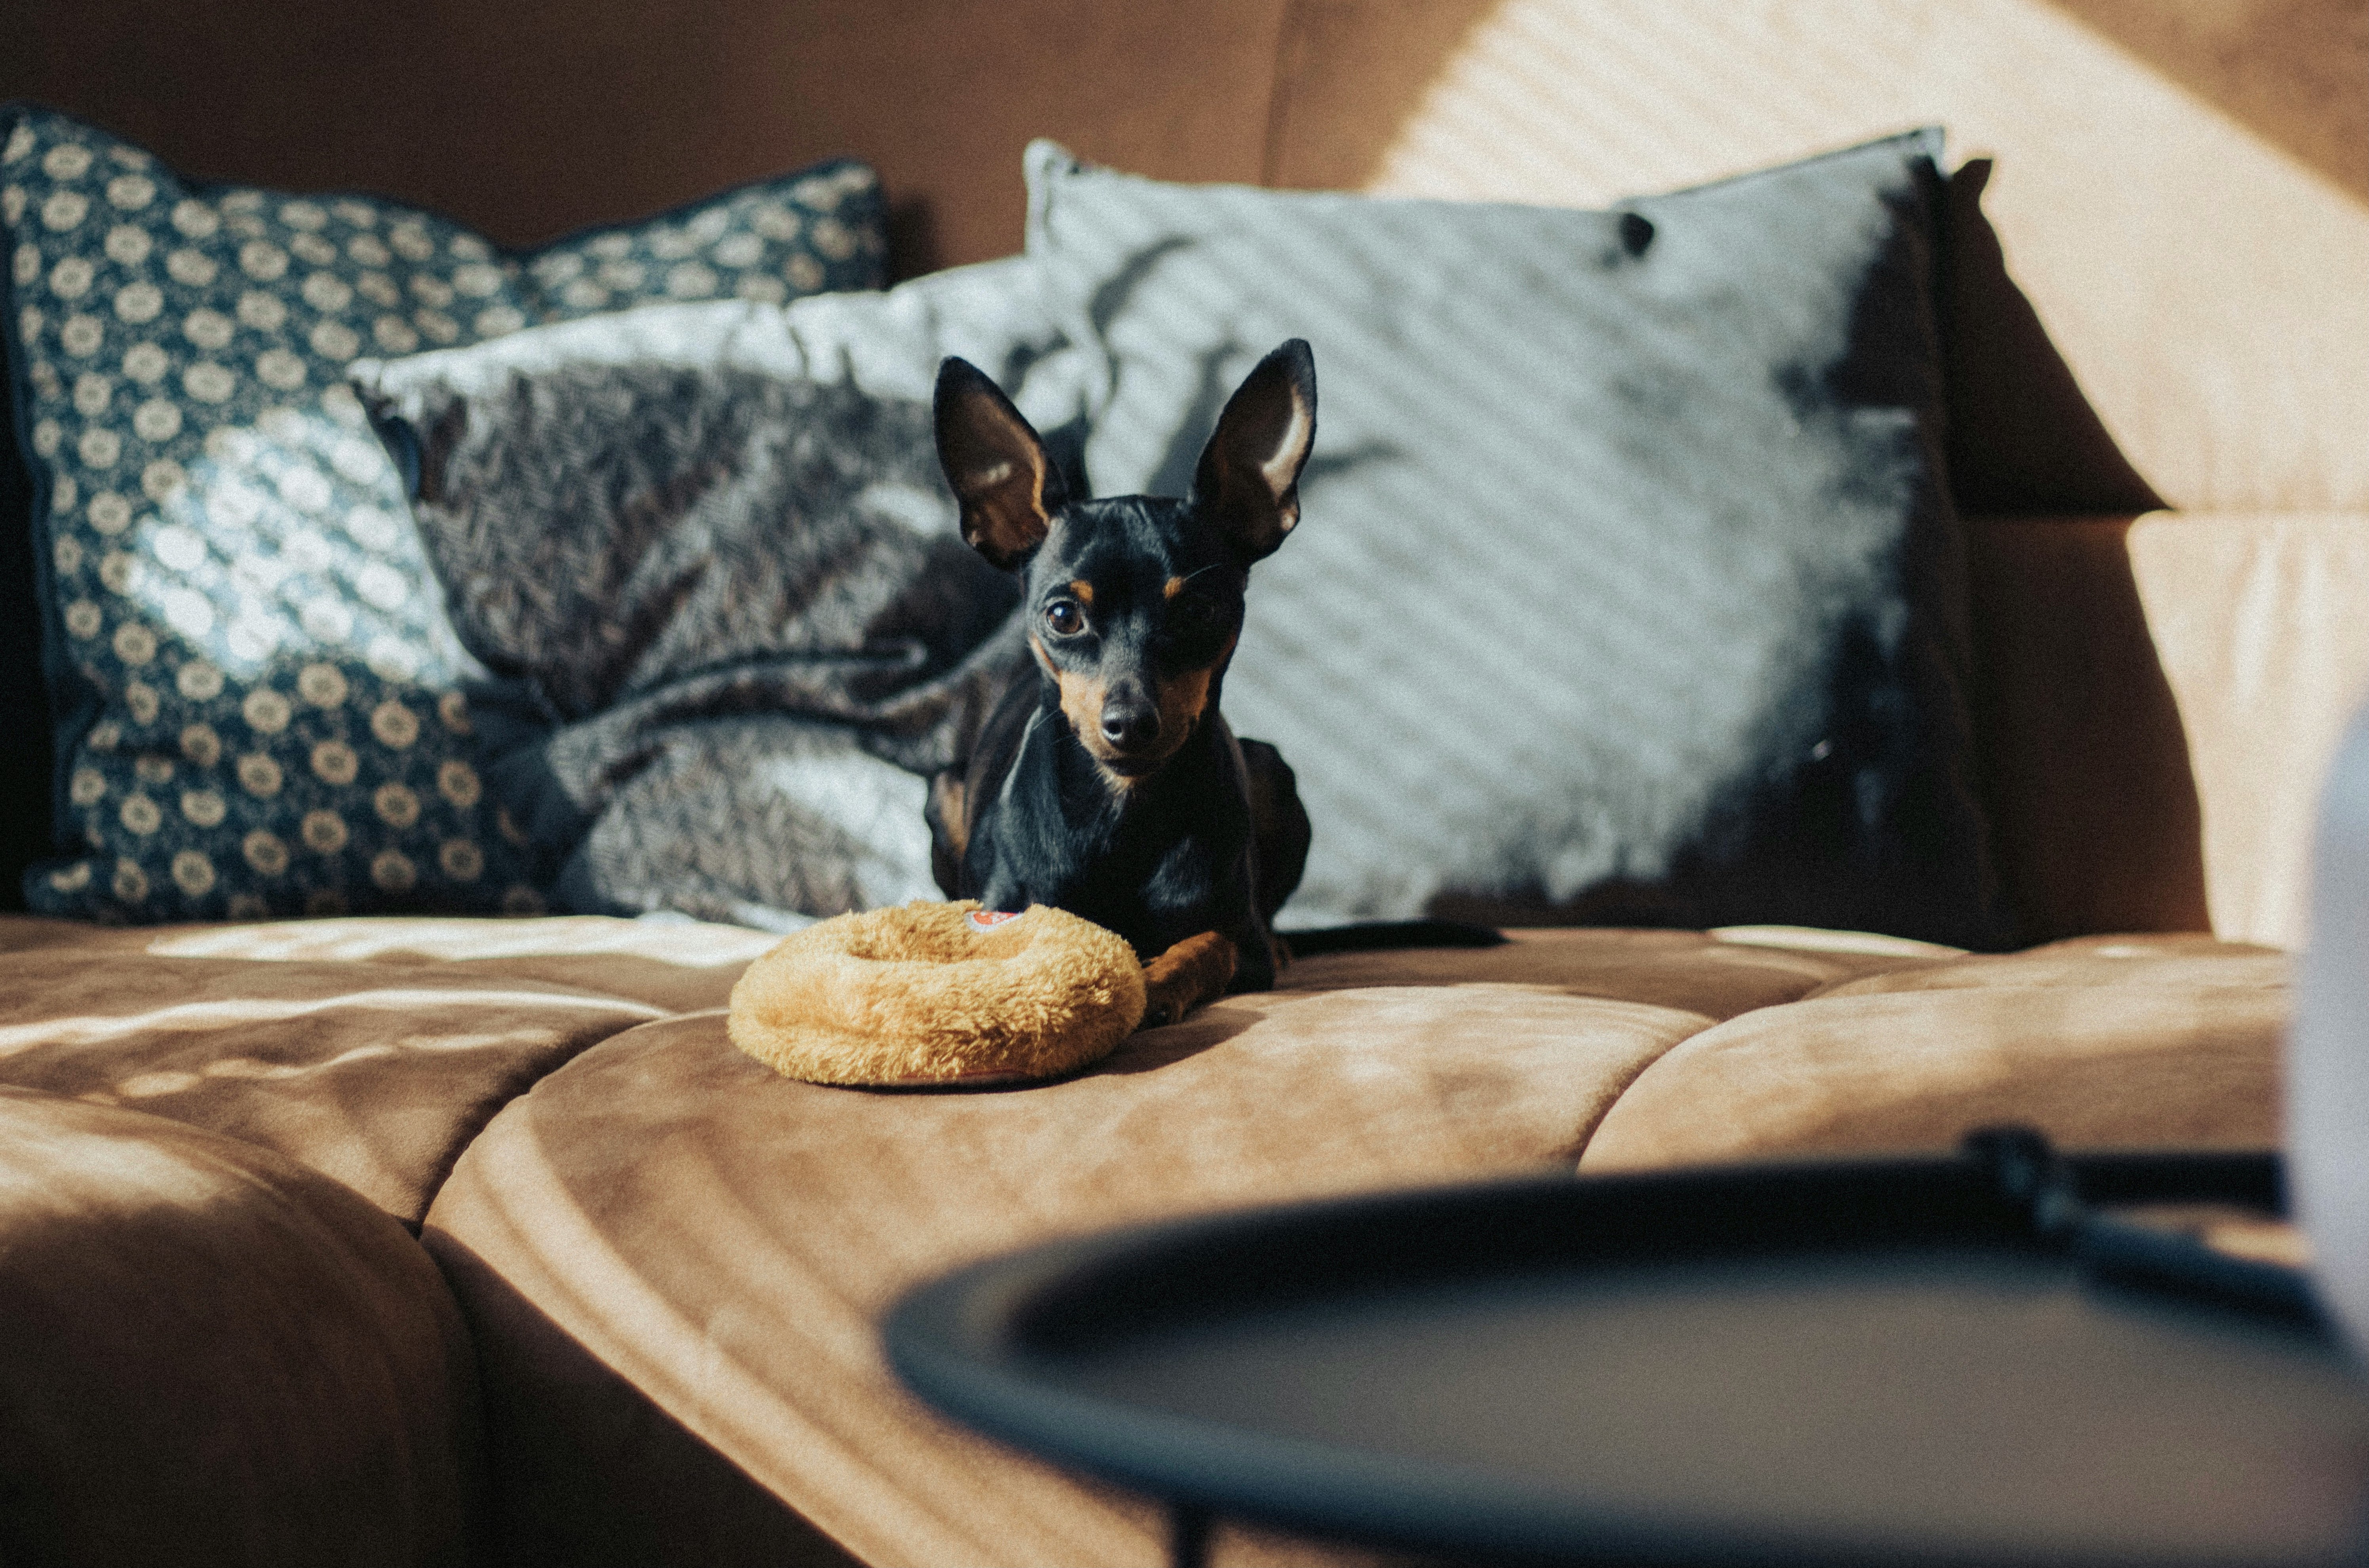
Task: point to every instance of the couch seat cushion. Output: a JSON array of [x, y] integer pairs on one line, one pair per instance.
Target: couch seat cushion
[[2099, 1042], [366, 1049], [215, 1356], [678, 966], [724, 1237]]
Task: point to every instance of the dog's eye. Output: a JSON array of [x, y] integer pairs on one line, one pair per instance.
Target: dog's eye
[[1065, 618]]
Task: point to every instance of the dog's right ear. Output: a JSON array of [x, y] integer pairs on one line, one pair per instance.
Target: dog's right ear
[[998, 468]]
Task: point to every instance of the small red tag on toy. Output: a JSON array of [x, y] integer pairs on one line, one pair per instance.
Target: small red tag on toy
[[987, 920]]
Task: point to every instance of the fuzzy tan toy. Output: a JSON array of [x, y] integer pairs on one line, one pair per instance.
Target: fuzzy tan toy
[[938, 993]]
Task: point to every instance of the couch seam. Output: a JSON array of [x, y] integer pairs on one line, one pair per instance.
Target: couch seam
[[1278, 99], [1587, 1134]]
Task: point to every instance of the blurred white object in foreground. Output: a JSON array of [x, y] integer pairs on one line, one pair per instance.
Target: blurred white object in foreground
[[2327, 1050]]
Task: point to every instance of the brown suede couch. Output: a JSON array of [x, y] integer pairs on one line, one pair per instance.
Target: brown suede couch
[[432, 1241]]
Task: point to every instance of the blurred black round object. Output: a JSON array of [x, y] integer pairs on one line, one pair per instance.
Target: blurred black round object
[[2007, 1357]]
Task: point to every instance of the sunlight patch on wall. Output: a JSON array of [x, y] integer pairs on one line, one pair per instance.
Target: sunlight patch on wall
[[2203, 284], [2295, 70]]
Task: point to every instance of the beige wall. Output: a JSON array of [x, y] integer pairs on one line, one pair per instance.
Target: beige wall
[[2204, 283], [2182, 187], [530, 118]]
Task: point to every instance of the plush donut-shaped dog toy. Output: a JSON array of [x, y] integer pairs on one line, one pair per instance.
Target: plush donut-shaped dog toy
[[938, 993]]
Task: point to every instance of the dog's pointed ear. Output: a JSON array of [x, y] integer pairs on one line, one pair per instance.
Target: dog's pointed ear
[[997, 466], [1249, 475]]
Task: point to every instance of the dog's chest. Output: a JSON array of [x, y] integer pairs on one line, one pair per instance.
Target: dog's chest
[[1145, 864]]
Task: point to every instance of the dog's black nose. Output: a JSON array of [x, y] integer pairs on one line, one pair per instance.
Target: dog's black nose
[[1130, 726]]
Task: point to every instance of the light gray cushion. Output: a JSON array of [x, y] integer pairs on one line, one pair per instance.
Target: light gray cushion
[[1627, 588]]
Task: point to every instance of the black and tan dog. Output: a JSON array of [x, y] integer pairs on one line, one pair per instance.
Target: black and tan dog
[[1104, 782]]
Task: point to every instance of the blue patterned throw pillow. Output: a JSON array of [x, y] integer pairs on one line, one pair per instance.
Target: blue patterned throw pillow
[[256, 690]]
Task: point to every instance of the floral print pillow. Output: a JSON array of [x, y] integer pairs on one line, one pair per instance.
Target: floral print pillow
[[259, 699]]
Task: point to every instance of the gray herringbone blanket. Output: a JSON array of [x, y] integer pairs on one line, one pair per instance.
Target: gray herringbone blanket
[[728, 623]]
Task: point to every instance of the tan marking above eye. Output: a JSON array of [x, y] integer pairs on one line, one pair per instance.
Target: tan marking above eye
[[1083, 589], [1172, 588]]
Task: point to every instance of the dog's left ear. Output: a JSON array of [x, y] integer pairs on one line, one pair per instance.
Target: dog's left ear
[[1249, 475], [996, 465]]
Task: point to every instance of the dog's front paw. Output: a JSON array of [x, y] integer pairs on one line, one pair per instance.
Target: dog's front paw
[[1194, 971]]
